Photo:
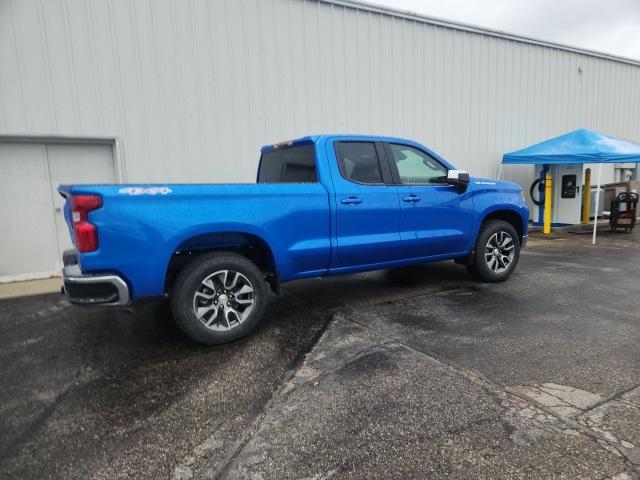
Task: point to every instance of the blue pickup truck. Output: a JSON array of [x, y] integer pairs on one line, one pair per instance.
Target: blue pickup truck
[[322, 205]]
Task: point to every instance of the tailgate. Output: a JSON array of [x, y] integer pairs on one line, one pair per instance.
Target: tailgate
[[65, 191]]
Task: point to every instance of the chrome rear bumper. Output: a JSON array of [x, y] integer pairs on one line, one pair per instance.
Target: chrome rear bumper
[[85, 289]]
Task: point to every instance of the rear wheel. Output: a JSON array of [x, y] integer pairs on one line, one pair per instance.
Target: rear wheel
[[497, 252], [218, 297]]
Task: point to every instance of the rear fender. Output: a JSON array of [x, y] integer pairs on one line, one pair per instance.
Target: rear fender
[[229, 236]]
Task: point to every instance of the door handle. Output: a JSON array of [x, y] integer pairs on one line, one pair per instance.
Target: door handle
[[412, 198], [351, 201]]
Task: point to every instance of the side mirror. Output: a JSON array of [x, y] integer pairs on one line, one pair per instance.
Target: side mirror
[[459, 178]]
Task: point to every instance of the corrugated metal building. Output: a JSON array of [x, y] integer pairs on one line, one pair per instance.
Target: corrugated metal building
[[188, 91]]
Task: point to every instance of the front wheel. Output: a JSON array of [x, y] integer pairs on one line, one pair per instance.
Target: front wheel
[[218, 297], [497, 252]]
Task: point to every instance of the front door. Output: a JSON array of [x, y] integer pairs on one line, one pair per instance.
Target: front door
[[435, 218], [367, 209]]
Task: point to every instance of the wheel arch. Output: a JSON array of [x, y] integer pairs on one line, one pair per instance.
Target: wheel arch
[[248, 244], [512, 217], [508, 215]]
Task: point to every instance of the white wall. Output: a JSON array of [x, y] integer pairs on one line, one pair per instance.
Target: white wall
[[192, 89]]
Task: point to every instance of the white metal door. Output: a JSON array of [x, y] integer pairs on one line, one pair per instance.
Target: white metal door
[[33, 233], [75, 164], [28, 246]]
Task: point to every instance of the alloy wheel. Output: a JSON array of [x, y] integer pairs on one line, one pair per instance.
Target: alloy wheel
[[499, 252], [224, 300]]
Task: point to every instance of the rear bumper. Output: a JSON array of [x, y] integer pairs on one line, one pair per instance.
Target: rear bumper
[[84, 289]]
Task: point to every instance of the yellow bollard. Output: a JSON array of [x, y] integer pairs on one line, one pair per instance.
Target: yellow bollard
[[548, 184], [586, 197]]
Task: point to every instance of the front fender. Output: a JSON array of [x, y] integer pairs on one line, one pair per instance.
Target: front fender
[[491, 201]]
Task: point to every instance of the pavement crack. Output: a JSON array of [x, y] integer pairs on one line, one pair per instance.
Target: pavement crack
[[251, 430], [616, 396], [255, 425], [593, 434]]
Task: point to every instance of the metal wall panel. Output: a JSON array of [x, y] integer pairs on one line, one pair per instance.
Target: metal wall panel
[[192, 89]]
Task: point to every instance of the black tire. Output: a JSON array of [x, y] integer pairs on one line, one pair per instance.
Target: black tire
[[190, 280], [480, 268]]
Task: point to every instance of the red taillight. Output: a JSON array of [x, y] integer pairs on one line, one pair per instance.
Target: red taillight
[[86, 234]]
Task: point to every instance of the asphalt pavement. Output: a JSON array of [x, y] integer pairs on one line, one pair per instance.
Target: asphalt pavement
[[418, 372]]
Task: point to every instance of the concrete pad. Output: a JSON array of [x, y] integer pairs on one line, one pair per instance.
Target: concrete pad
[[546, 399], [389, 411], [573, 396], [561, 399]]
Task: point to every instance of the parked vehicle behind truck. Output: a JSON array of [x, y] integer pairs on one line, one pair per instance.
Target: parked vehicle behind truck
[[322, 206]]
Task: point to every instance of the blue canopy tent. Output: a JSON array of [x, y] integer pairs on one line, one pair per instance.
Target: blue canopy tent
[[579, 146]]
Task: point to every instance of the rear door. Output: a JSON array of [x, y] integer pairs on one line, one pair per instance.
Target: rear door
[[367, 210], [435, 218]]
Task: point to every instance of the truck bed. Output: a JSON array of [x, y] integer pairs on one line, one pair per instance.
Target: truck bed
[[141, 225]]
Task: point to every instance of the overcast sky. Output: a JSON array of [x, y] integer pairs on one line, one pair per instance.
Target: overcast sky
[[611, 26]]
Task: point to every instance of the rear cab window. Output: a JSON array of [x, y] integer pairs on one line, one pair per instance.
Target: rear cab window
[[295, 164]]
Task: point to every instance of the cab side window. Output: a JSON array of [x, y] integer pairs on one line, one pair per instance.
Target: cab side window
[[416, 167], [358, 162]]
